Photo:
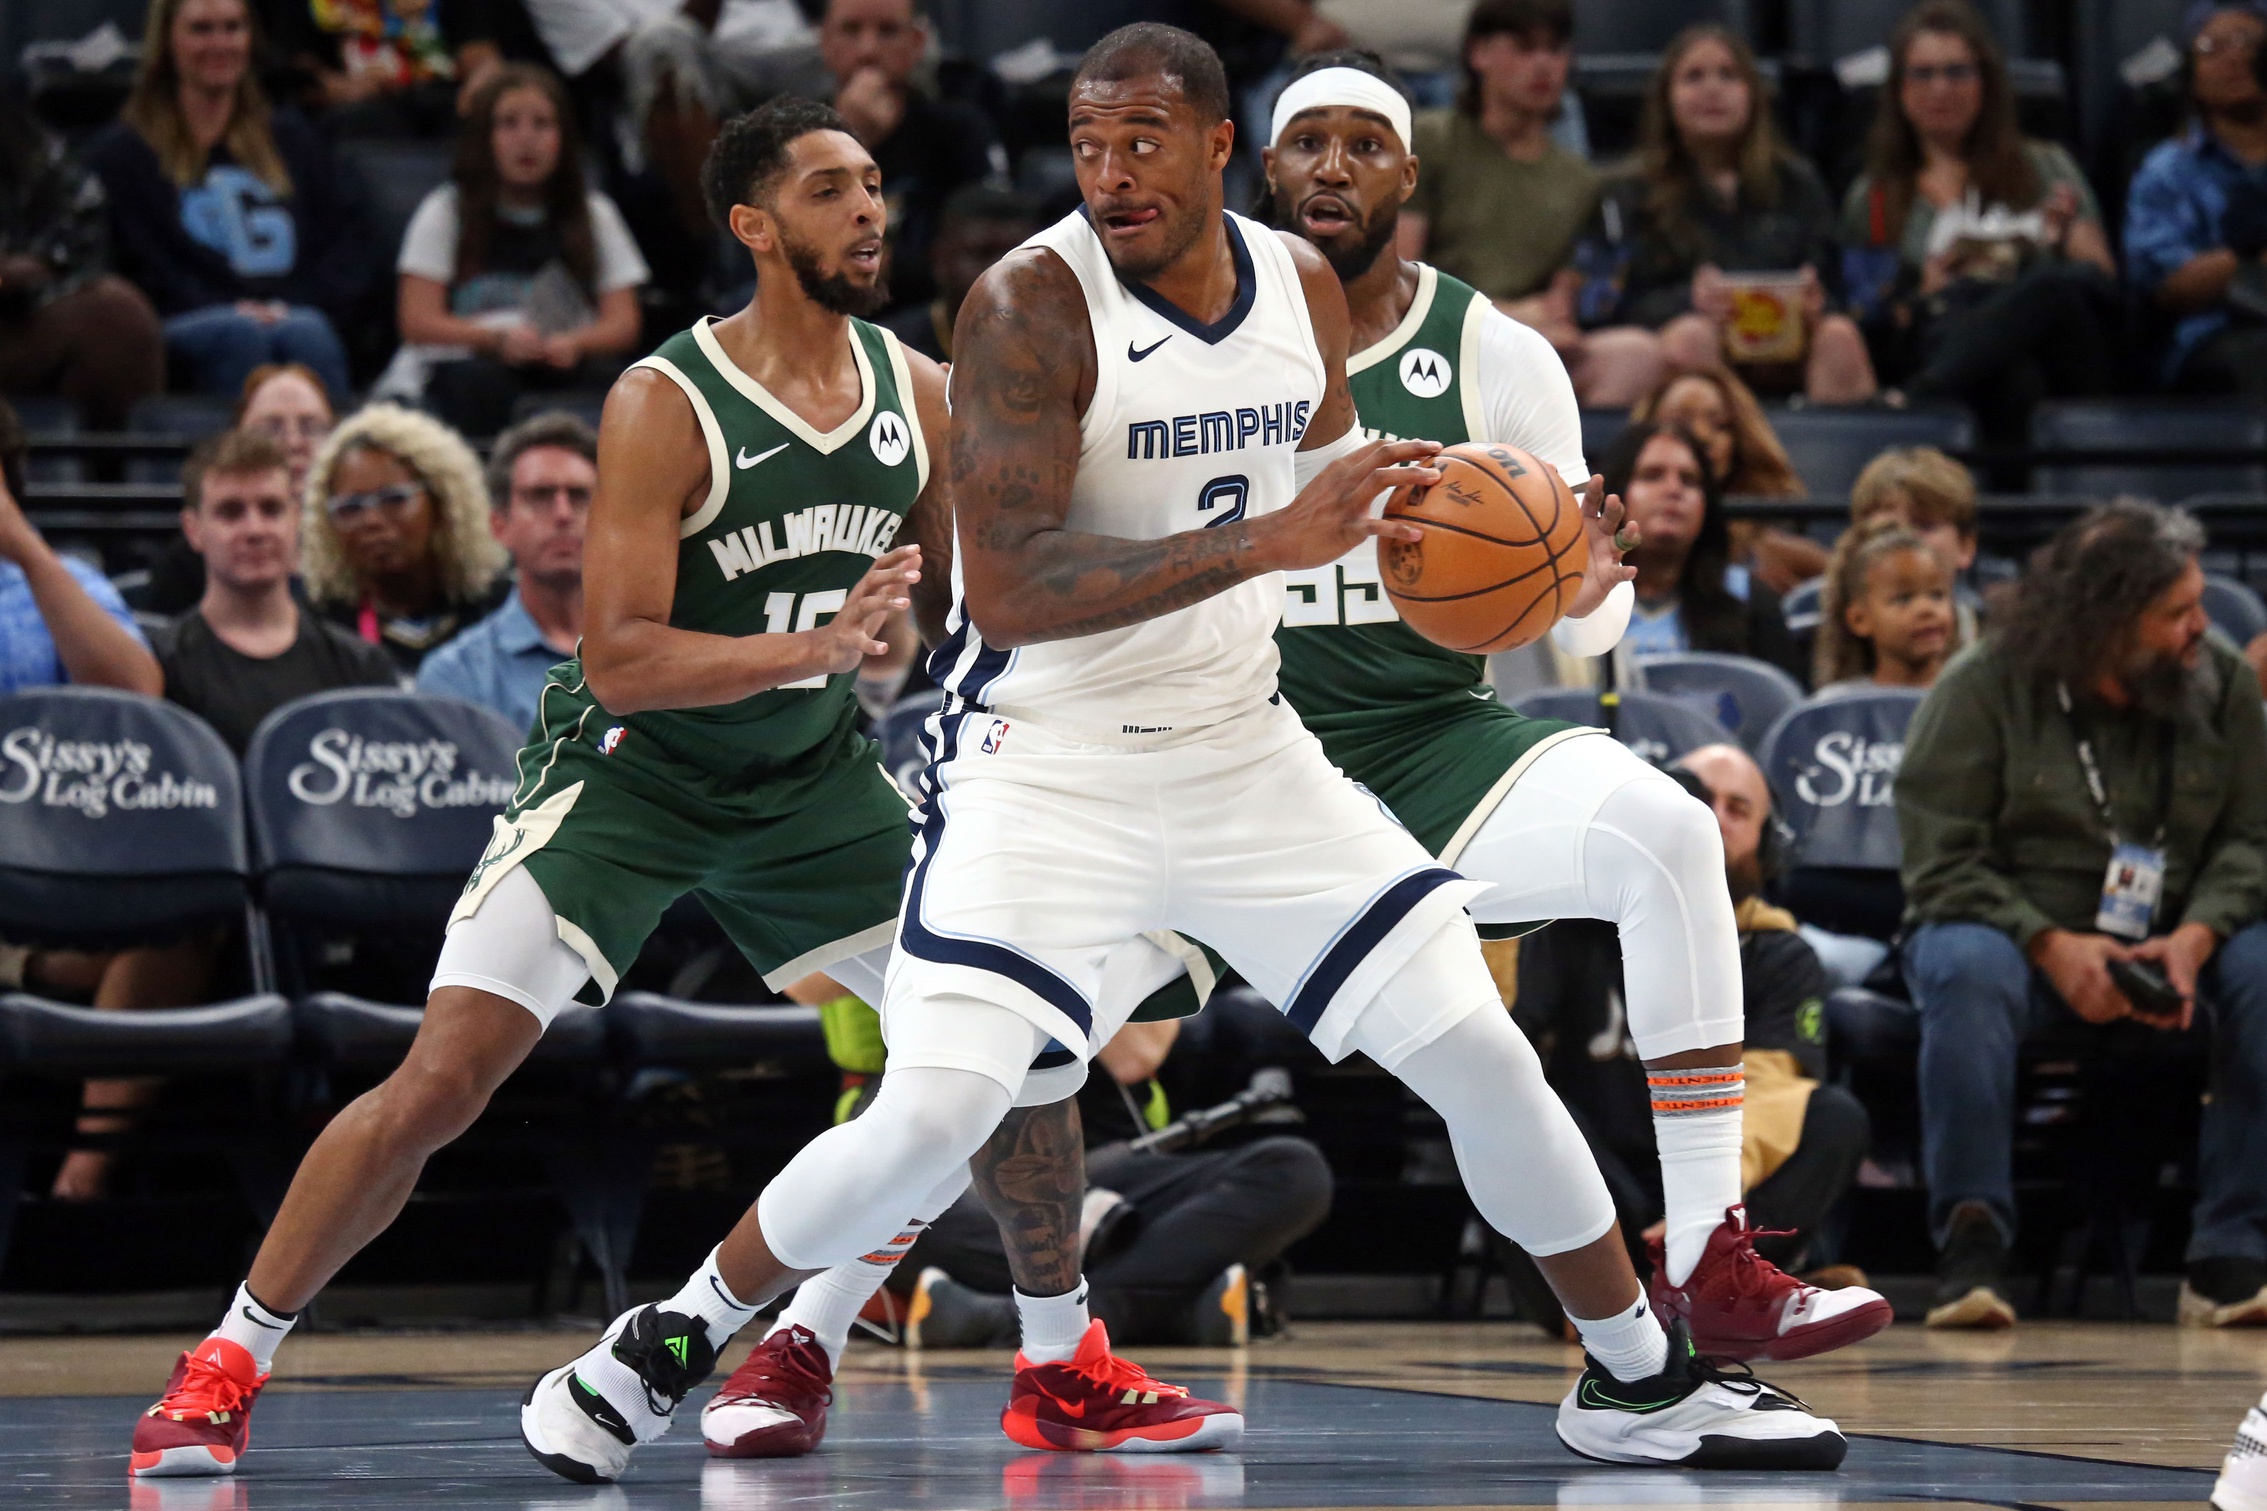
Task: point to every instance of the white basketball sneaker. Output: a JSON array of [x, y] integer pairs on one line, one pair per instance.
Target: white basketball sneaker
[[2242, 1484], [582, 1419], [1697, 1414]]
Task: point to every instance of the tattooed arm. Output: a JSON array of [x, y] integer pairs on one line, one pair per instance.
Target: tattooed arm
[[1023, 374], [929, 526], [1032, 1175]]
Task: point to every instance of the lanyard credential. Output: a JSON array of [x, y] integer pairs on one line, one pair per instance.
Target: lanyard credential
[[2135, 879]]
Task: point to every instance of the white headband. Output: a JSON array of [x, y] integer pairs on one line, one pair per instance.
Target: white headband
[[1340, 86]]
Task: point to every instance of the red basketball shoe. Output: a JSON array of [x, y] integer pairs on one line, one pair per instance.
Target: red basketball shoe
[[1096, 1402], [201, 1423], [775, 1404], [1740, 1305]]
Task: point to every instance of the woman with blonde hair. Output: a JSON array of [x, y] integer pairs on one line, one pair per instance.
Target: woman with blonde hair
[[396, 544], [1744, 453], [1681, 241], [230, 214]]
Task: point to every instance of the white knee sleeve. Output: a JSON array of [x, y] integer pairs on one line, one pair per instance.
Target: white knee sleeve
[[1524, 1162], [511, 947], [948, 1032], [1443, 982], [1653, 861], [849, 1190]]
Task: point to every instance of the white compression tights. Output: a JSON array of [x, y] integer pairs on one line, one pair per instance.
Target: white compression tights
[[1592, 831]]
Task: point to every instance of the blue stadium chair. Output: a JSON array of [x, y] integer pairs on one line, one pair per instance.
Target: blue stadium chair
[[1825, 31], [396, 177], [1830, 447], [49, 415], [188, 418], [585, 404], [1832, 763], [1657, 727], [122, 823], [2235, 610], [2173, 425], [1743, 694], [1645, 26], [1800, 608]]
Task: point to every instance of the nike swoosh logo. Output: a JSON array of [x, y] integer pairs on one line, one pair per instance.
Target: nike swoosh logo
[[1486, 696], [1596, 1399], [744, 461], [1133, 355], [256, 1322]]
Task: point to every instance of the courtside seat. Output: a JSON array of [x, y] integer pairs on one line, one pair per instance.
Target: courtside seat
[[52, 1038], [1740, 692], [1830, 446], [342, 1029], [1832, 763], [652, 1030], [1656, 726], [2170, 427]]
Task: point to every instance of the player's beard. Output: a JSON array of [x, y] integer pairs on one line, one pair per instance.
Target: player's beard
[[1349, 260], [832, 292], [1184, 237]]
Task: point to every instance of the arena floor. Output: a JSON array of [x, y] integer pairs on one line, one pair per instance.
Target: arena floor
[[1341, 1414]]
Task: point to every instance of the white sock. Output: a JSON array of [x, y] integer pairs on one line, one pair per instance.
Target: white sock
[[1696, 1127], [254, 1328], [1630, 1344], [825, 1305], [1053, 1325], [707, 1297]]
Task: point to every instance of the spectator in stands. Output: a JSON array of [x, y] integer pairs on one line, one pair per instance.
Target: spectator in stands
[[245, 650], [287, 403], [67, 325], [371, 67], [1885, 615], [1801, 1140], [1689, 595], [1500, 203], [60, 619], [540, 479], [1686, 242], [1933, 496], [233, 217], [1980, 255], [1173, 1266], [1740, 447], [979, 226], [2196, 216], [2098, 720], [514, 275], [395, 539]]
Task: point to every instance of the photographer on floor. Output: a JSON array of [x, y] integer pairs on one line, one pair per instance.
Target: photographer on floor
[[2083, 806]]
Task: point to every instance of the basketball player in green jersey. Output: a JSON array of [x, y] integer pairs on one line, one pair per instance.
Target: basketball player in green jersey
[[757, 476], [1565, 822]]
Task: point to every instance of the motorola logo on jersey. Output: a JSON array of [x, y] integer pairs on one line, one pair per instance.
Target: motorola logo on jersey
[[1218, 430], [1425, 373], [889, 437]]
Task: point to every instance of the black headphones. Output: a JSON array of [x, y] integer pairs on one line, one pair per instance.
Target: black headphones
[[1774, 845]]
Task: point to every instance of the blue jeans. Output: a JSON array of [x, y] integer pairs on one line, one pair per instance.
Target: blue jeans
[[222, 347], [1979, 997]]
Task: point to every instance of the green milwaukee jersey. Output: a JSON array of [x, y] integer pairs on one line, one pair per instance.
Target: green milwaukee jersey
[[1412, 721], [792, 520]]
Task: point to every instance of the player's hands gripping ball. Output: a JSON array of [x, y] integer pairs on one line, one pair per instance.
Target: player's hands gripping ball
[[1501, 552]]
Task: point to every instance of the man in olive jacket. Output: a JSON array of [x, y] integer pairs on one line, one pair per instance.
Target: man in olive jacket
[[2099, 717]]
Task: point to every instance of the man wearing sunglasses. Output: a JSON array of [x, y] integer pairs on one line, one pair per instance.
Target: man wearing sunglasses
[[540, 477]]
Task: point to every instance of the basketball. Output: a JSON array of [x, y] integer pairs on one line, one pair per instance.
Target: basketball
[[1503, 554]]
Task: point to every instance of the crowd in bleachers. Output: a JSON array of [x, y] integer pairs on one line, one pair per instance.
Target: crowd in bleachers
[[377, 264]]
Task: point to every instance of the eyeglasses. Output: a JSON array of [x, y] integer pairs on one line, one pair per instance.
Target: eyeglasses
[[279, 426], [1943, 73], [393, 500], [577, 498]]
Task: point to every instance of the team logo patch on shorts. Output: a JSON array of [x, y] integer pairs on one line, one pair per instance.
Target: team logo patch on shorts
[[610, 739], [995, 737]]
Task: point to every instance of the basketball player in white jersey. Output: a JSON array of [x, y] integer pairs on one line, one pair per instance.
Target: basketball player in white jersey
[[1112, 761]]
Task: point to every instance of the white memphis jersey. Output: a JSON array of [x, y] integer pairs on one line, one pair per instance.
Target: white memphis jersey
[[1191, 426]]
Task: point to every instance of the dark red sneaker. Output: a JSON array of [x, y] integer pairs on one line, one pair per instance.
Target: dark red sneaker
[[1096, 1402], [1740, 1305], [775, 1404], [202, 1422]]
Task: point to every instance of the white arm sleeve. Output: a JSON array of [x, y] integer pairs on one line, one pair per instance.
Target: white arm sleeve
[[1527, 399], [1306, 464]]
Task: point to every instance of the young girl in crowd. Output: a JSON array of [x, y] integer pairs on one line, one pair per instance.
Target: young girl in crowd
[[1933, 496], [515, 274], [1886, 615]]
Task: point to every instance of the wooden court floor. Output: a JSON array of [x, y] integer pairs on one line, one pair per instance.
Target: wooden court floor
[[1341, 1414]]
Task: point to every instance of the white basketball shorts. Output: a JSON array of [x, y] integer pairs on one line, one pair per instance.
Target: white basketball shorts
[[1037, 855]]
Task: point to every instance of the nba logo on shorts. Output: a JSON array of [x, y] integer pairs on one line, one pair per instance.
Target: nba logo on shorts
[[610, 739], [995, 737]]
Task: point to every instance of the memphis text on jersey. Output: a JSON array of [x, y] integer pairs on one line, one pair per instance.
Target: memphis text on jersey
[[1217, 430], [822, 527]]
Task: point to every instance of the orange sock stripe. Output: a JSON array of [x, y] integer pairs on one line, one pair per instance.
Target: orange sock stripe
[[1729, 1104], [1694, 1077]]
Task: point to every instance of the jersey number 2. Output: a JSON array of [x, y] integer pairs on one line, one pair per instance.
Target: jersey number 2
[[782, 616], [1230, 491]]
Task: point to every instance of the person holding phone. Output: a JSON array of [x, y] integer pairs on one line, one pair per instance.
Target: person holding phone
[[2083, 804]]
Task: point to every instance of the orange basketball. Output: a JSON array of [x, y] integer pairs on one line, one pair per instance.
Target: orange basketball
[[1503, 554]]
